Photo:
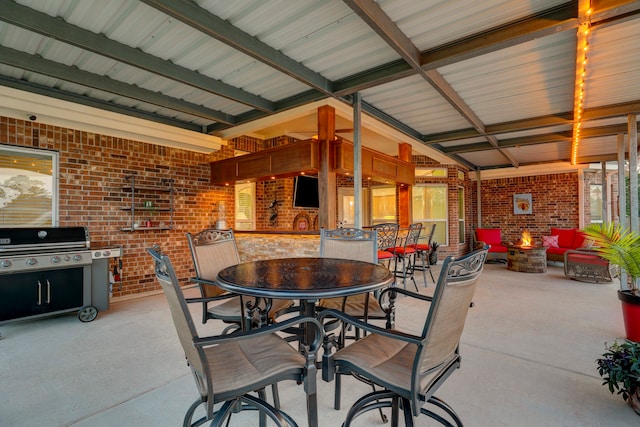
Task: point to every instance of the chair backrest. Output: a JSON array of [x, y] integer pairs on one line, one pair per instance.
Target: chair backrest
[[429, 236], [212, 250], [448, 312], [413, 235], [349, 243], [387, 235], [183, 322]]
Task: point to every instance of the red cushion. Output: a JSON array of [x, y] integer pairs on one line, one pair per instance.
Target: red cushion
[[491, 236], [420, 247], [557, 251], [587, 259], [399, 250], [384, 255], [578, 240], [565, 236]]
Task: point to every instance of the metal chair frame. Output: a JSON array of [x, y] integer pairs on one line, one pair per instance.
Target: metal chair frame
[[410, 368], [407, 254], [422, 253], [263, 352]]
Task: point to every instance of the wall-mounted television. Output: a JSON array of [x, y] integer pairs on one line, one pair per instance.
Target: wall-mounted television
[[305, 192]]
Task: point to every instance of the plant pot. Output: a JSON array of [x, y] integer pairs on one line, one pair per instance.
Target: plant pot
[[631, 314], [634, 401]]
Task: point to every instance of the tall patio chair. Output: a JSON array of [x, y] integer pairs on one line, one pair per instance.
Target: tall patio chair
[[422, 255], [359, 245], [213, 250], [410, 368], [387, 238], [406, 254], [228, 368]]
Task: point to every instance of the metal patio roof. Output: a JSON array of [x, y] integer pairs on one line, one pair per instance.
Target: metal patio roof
[[488, 84]]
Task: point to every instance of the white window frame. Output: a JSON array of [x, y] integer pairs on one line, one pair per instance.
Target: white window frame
[[440, 222], [10, 154], [245, 223]]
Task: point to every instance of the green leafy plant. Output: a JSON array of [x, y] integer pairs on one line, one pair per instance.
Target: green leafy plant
[[619, 246], [620, 368]]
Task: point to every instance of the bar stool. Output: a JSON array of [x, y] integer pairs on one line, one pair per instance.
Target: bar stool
[[422, 254], [407, 254], [387, 238]]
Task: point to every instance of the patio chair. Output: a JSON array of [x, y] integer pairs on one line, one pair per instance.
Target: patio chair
[[387, 238], [360, 245], [212, 250], [422, 255], [228, 368], [410, 368], [406, 253]]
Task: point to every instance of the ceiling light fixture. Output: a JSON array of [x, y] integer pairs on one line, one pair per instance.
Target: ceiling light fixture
[[584, 30]]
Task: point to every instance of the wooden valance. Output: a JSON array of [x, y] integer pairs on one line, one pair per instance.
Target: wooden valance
[[303, 156]]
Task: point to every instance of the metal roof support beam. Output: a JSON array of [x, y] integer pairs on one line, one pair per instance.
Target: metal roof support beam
[[633, 172], [553, 20], [195, 16], [357, 160], [48, 26], [45, 67], [96, 103], [375, 17]]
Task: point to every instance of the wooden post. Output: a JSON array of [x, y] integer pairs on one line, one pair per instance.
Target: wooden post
[[326, 178], [404, 190]]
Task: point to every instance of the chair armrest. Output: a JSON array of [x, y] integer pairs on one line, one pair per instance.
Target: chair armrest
[[403, 291], [337, 314], [201, 282]]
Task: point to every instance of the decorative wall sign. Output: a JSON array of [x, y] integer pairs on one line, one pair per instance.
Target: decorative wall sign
[[522, 204]]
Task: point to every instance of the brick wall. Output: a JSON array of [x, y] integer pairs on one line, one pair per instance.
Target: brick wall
[[555, 204], [93, 168]]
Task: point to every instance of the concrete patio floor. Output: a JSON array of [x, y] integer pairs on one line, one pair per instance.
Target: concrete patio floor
[[529, 351]]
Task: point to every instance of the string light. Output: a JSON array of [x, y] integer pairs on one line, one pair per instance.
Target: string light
[[584, 30]]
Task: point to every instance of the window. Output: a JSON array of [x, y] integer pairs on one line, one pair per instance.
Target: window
[[429, 206], [425, 172], [383, 205], [245, 206], [595, 193], [28, 187]]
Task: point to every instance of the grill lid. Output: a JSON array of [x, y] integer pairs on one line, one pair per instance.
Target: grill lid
[[43, 239]]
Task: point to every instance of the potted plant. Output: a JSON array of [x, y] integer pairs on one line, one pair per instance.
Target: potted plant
[[621, 247], [433, 253], [620, 368]]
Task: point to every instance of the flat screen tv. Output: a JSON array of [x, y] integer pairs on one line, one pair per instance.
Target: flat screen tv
[[305, 192]]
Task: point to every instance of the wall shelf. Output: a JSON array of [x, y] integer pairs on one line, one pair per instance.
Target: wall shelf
[[149, 203]]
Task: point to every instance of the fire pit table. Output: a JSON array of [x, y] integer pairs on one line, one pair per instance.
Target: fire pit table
[[527, 259]]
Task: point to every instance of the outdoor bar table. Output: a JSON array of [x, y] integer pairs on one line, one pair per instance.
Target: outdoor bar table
[[305, 279]]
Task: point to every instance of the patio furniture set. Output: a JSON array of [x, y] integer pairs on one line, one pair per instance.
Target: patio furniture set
[[232, 370], [567, 245]]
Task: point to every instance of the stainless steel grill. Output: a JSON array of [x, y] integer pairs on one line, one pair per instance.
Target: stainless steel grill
[[48, 270]]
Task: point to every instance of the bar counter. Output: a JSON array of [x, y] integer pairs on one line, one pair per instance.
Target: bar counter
[[269, 244]]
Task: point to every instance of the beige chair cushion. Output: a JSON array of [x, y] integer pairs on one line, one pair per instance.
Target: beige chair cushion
[[236, 364]]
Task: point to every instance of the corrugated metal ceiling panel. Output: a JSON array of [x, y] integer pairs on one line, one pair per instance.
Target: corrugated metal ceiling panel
[[434, 23], [531, 79], [613, 69], [525, 80], [414, 102]]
